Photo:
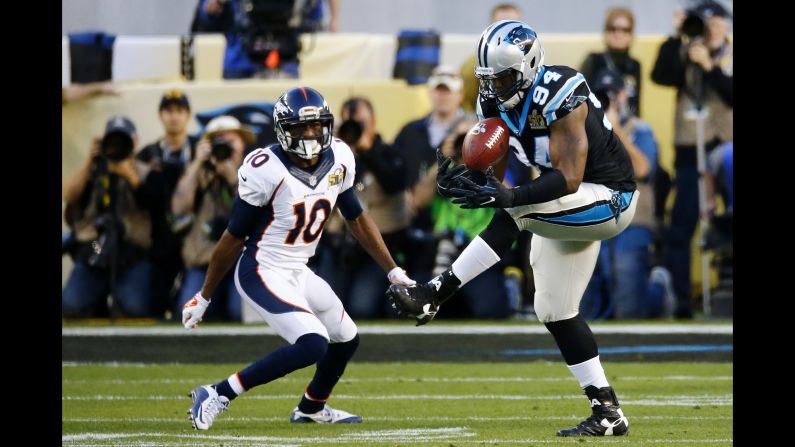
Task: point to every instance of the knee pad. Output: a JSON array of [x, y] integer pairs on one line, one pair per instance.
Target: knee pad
[[313, 346], [574, 339]]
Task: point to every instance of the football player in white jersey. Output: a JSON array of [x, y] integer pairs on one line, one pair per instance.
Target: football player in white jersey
[[286, 192], [586, 193]]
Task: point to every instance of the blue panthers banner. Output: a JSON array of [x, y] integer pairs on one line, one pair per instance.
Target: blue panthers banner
[[257, 116]]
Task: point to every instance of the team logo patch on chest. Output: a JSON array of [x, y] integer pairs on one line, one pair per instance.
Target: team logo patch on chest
[[536, 121], [336, 177]]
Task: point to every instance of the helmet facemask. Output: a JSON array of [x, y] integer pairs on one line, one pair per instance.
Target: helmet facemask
[[504, 87], [292, 139]]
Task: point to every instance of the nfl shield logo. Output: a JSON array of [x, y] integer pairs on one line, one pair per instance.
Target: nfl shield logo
[[312, 180]]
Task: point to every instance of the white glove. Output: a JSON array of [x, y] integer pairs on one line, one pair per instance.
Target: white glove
[[398, 276], [193, 311]]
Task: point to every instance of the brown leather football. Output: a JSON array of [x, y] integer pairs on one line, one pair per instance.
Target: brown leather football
[[486, 144]]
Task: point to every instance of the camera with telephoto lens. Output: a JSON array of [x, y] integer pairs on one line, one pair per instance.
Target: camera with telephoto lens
[[221, 150], [693, 24], [350, 131], [116, 146]]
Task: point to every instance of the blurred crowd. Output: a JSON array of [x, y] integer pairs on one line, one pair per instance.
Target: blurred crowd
[[143, 217]]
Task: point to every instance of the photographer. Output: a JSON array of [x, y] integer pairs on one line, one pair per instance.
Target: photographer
[[206, 192], [698, 62], [380, 184], [485, 296], [107, 203]]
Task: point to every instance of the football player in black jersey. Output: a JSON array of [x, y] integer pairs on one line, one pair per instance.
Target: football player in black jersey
[[585, 193]]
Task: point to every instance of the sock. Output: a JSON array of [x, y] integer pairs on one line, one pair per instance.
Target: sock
[[329, 370], [307, 350], [476, 258], [231, 387], [590, 373], [446, 285]]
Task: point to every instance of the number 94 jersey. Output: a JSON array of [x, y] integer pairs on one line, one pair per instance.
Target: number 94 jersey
[[295, 202], [556, 92]]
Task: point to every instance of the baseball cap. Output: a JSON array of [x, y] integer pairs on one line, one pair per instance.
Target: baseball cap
[[227, 123], [447, 76], [711, 8], [607, 81], [120, 124], [174, 96]]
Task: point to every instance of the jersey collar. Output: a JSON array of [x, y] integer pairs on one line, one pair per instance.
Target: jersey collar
[[517, 129], [311, 176]]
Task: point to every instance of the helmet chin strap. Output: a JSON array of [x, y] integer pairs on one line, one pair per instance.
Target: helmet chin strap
[[512, 101], [311, 149]]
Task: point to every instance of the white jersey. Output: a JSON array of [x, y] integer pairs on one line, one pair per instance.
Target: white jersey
[[297, 202]]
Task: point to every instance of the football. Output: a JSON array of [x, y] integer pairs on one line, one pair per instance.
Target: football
[[485, 144]]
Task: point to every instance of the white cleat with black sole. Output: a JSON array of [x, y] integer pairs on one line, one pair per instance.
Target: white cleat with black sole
[[327, 415]]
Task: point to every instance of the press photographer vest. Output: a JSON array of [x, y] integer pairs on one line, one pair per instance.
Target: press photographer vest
[[719, 121], [111, 197], [212, 207]]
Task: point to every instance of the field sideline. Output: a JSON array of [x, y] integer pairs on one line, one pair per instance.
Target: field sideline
[[403, 403]]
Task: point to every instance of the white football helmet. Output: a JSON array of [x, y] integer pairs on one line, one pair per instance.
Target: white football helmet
[[509, 59]]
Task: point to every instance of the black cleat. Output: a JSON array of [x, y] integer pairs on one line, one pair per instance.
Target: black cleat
[[418, 301], [422, 301], [607, 418]]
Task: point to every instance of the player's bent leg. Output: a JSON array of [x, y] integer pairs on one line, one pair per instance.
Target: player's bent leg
[[557, 301], [287, 311], [211, 400], [344, 340], [593, 213]]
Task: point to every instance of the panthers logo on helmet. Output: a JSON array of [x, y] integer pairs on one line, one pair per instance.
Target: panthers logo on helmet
[[522, 37]]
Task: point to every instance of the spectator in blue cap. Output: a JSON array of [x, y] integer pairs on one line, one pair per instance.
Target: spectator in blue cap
[[624, 284]]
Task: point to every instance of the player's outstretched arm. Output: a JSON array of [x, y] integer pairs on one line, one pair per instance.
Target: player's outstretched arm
[[223, 257], [365, 231]]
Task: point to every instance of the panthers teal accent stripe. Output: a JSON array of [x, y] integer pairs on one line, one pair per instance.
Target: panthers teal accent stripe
[[598, 213]]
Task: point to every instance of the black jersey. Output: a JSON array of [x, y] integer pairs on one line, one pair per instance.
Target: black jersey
[[557, 91]]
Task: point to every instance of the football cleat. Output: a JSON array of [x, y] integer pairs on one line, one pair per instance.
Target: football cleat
[[207, 405], [417, 301], [606, 419], [327, 415]]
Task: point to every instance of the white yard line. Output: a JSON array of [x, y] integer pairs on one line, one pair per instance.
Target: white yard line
[[408, 436], [182, 380], [184, 420], [177, 330], [640, 400]]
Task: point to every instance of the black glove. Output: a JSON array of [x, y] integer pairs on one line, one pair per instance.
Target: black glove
[[493, 194], [445, 178]]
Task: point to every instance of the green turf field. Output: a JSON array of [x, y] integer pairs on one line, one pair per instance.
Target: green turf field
[[429, 404]]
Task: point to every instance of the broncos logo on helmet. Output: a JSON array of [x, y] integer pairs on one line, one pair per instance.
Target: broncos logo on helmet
[[298, 106]]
